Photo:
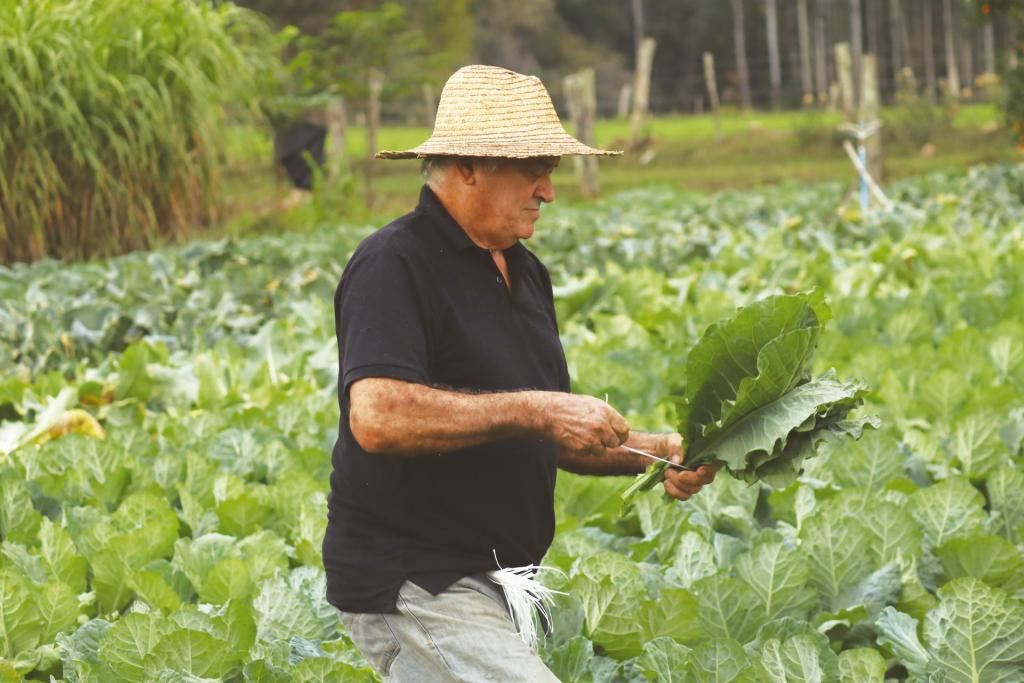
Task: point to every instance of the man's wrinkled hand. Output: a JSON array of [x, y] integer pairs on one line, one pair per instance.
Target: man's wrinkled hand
[[582, 424], [681, 484]]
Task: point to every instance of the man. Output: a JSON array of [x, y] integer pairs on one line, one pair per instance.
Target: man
[[454, 397]]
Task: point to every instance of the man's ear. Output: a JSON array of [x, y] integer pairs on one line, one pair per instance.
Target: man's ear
[[465, 171]]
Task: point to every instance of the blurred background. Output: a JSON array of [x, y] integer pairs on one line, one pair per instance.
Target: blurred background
[[127, 125]]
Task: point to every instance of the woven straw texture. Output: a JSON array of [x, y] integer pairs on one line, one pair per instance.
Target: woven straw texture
[[487, 111]]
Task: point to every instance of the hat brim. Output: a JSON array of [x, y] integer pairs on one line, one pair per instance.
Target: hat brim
[[540, 144]]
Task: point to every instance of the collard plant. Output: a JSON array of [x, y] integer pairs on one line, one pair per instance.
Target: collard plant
[[750, 400], [109, 116]]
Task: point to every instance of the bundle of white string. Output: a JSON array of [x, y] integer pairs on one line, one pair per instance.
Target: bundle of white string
[[525, 596]]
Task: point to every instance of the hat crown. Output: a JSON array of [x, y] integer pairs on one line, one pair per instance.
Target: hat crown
[[492, 100], [490, 111]]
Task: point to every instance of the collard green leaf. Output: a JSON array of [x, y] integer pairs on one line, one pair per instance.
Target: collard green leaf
[[694, 559], [976, 633], [1004, 487], [662, 524], [782, 364], [975, 446], [58, 609], [195, 557], [20, 620], [838, 555], [768, 426], [861, 665], [226, 580], [570, 661], [1012, 432], [611, 588], [895, 532], [19, 520], [171, 676], [899, 632], [674, 612], [726, 505], [126, 647], [242, 515], [749, 399], [943, 395], [991, 559], [261, 671], [778, 575], [18, 558], [265, 553], [948, 509], [722, 661], [152, 588], [728, 351], [729, 608], [133, 379], [663, 660], [236, 623], [59, 556], [282, 612], [876, 590], [9, 672], [81, 648], [192, 651], [870, 463], [801, 658], [326, 670]]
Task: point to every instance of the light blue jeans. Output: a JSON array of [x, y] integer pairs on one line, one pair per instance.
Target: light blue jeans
[[463, 634]]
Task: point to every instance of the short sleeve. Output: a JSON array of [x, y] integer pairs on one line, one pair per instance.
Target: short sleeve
[[379, 318]]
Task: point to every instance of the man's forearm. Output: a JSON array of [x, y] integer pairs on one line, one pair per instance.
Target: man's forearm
[[413, 419], [615, 461]]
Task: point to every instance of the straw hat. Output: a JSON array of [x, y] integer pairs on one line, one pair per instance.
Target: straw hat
[[488, 111]]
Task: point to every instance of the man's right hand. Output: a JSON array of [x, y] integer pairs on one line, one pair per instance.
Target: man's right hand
[[580, 424]]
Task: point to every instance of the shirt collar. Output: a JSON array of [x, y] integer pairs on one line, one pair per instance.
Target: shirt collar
[[452, 231], [431, 206]]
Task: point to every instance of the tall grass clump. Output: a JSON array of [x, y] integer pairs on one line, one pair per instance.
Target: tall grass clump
[[111, 117]]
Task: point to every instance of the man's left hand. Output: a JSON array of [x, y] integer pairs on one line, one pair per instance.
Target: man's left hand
[[681, 484]]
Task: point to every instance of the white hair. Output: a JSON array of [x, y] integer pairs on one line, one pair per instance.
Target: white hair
[[434, 166]]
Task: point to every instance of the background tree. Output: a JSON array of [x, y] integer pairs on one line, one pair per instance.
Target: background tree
[[804, 36], [367, 56], [740, 43], [774, 67], [1011, 12], [949, 30]]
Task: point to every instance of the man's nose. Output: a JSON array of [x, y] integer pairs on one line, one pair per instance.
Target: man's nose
[[545, 189]]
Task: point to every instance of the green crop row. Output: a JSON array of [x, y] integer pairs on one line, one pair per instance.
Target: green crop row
[[184, 544]]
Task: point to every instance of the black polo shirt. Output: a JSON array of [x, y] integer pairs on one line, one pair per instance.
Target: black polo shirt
[[420, 302]]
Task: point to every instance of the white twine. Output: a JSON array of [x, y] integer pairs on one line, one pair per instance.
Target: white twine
[[525, 597]]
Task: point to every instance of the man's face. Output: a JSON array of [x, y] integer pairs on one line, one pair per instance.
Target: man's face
[[510, 197]]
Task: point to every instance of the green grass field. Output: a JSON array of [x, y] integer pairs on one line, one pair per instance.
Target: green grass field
[[754, 149]]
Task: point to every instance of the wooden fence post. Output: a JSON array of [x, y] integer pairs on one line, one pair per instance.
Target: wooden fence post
[[641, 90], [334, 115], [376, 84], [870, 111], [712, 86], [625, 98], [429, 104], [844, 68], [579, 90]]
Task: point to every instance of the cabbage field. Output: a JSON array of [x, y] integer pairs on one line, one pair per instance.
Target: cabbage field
[[166, 420]]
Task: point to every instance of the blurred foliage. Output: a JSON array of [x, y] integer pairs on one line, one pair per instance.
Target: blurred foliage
[[340, 59], [1014, 79], [109, 119]]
